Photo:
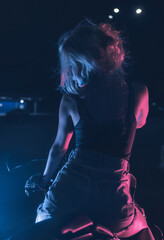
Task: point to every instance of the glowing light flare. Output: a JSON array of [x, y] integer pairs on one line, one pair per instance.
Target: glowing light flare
[[21, 101], [21, 107], [139, 10], [116, 10]]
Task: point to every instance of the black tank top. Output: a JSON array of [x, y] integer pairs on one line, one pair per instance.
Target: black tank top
[[114, 137]]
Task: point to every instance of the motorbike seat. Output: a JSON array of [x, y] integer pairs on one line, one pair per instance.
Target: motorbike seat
[[83, 228]]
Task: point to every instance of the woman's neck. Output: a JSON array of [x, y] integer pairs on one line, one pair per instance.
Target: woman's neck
[[103, 84]]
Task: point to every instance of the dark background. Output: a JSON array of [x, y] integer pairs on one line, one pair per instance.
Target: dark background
[[26, 60], [26, 55]]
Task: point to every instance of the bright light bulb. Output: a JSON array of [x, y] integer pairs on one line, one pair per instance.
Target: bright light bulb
[[110, 17], [21, 101], [116, 10], [138, 11]]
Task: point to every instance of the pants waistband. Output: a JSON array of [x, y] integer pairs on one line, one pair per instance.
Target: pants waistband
[[99, 158]]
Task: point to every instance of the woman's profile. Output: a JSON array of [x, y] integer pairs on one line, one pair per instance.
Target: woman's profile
[[103, 111]]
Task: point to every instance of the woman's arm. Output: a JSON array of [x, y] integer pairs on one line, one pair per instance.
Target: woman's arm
[[143, 107], [63, 137]]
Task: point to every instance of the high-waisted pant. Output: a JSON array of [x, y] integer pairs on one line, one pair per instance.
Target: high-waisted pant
[[90, 183]]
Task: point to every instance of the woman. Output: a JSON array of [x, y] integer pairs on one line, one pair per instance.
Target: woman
[[104, 112]]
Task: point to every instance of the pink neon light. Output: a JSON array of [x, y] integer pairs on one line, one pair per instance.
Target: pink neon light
[[76, 229], [102, 229], [84, 236]]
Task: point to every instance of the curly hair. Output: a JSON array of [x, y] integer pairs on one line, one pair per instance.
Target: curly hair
[[87, 50]]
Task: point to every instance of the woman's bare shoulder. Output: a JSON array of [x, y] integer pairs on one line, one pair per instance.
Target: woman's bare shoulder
[[68, 99], [141, 96], [68, 102], [140, 92]]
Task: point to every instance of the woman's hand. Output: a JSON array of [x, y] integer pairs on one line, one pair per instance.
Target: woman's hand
[[36, 183]]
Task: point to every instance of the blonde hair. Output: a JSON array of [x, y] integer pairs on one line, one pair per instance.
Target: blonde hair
[[87, 50]]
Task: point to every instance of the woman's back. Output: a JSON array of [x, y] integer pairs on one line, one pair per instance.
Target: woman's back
[[105, 101], [104, 120]]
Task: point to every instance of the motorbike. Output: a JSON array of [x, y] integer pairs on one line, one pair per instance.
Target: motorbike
[[82, 227]]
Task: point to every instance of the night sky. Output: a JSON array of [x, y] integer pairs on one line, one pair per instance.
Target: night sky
[[27, 56]]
